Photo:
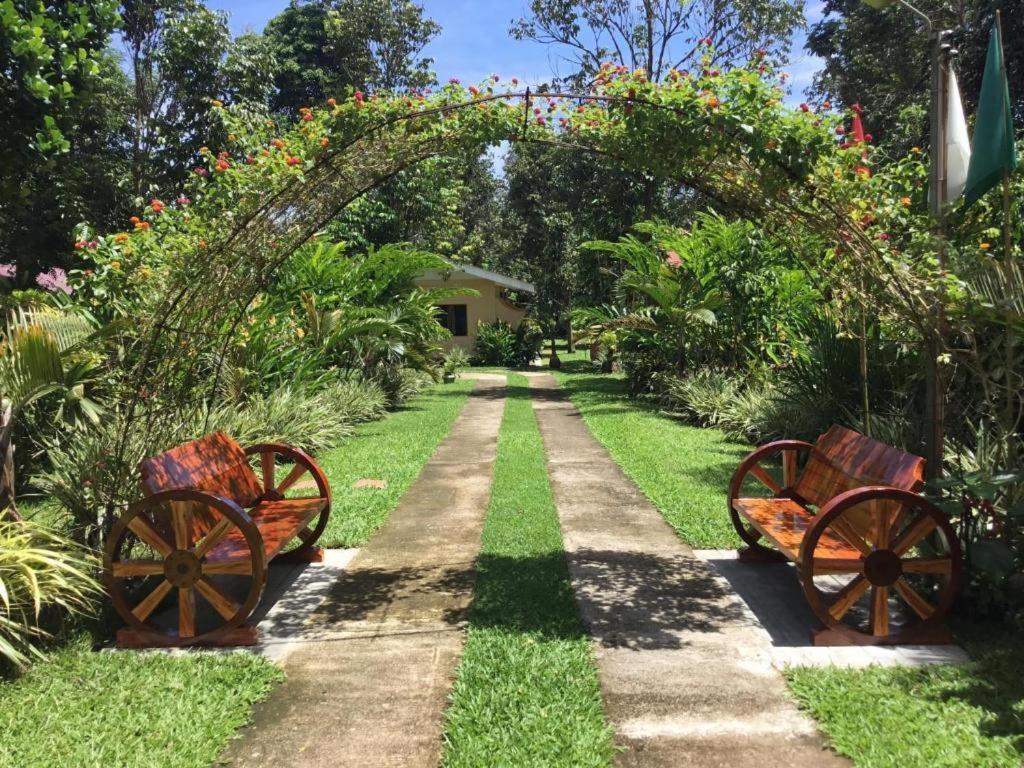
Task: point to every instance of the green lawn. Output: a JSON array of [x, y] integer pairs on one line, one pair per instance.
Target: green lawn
[[527, 691], [930, 717], [128, 710], [394, 450], [882, 717], [683, 470]]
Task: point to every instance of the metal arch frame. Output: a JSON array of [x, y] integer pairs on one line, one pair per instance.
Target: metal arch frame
[[171, 321]]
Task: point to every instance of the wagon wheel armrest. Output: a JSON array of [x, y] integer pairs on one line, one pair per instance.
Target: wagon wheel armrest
[[297, 456], [195, 495], [760, 453], [835, 506]]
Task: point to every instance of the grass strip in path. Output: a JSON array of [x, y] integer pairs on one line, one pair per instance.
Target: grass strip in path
[[128, 710], [683, 470], [527, 692], [393, 450]]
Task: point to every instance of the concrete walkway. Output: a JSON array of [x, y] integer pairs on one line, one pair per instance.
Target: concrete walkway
[[369, 672], [685, 670]]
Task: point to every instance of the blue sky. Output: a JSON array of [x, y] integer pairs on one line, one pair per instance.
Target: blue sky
[[474, 39]]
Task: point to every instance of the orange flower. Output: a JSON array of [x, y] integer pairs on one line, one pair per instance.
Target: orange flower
[[135, 220], [324, 141], [142, 225], [202, 243], [217, 103], [293, 160], [156, 205], [984, 246], [221, 166], [120, 237], [713, 102], [332, 102], [905, 200], [279, 143]]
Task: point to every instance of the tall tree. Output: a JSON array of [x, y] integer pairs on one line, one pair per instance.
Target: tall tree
[[325, 47], [881, 60], [51, 59], [182, 58], [657, 35]]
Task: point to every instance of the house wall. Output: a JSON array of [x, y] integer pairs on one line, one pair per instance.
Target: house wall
[[485, 308]]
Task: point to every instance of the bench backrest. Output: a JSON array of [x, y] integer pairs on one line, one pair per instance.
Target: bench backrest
[[215, 463], [844, 459]]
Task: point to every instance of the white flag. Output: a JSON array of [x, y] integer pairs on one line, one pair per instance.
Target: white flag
[[958, 144]]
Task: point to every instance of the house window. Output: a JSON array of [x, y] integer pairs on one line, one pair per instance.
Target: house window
[[453, 317]]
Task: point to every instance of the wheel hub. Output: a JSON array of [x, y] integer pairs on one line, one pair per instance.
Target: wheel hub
[[883, 568], [182, 568]]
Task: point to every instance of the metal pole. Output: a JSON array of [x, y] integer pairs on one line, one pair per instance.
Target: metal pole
[[935, 390]]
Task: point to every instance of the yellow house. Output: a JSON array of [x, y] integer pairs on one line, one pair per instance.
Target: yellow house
[[462, 314]]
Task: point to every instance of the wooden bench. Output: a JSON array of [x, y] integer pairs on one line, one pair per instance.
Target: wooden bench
[[848, 513], [208, 525]]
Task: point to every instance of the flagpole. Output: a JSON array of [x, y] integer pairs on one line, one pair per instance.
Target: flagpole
[[1010, 394]]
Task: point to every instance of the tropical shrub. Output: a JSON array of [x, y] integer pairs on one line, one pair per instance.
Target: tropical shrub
[[358, 401], [400, 385], [312, 422], [40, 573], [498, 343], [495, 344]]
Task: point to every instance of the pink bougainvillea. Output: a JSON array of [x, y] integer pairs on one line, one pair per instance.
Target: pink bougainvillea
[[53, 281]]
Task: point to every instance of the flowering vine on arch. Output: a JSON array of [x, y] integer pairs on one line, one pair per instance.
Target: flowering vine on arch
[[211, 251]]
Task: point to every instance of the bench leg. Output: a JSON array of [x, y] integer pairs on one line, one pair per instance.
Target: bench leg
[[760, 555], [314, 555]]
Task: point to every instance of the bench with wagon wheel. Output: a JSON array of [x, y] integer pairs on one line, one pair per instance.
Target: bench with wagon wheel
[[187, 564], [879, 564]]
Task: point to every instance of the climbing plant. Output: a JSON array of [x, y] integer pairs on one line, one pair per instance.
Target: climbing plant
[[192, 265]]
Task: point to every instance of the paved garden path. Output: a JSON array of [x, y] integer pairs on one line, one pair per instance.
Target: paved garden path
[[686, 676], [368, 680]]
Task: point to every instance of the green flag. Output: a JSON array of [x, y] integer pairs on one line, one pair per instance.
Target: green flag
[[992, 150]]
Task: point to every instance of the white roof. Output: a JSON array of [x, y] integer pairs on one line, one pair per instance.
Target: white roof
[[483, 274]]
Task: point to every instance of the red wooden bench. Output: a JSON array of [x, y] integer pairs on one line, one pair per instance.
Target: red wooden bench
[[848, 513], [207, 526]]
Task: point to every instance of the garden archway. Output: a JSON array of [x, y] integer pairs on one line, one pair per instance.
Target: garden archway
[[725, 135]]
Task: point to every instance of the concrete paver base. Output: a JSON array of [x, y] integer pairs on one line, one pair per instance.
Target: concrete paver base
[[686, 674], [775, 599], [370, 670]]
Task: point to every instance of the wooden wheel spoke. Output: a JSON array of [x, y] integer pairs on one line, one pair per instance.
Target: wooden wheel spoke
[[306, 534], [921, 526], [125, 568], [152, 600], [144, 529], [879, 611], [186, 612], [218, 532], [291, 478], [267, 468], [928, 565], [850, 535], [848, 597], [912, 597], [765, 479], [181, 522], [235, 566], [222, 603], [826, 565]]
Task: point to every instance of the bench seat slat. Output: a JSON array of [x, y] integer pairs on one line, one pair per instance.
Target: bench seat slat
[[278, 522], [784, 522]]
